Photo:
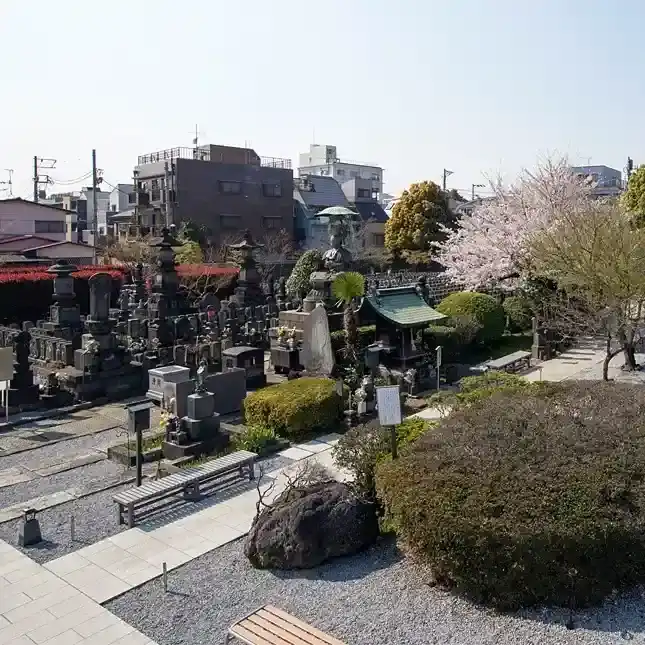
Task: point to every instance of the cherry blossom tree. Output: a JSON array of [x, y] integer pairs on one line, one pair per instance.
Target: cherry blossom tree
[[491, 245]]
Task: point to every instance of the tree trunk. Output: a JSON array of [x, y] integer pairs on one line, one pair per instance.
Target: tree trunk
[[630, 357], [351, 332], [608, 356]]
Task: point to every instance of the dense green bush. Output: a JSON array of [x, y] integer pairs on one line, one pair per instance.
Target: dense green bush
[[481, 308], [295, 408], [254, 438], [362, 447], [528, 498], [518, 313], [298, 281]]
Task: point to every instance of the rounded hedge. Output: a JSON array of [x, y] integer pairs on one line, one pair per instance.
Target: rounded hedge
[[518, 313], [295, 408], [528, 498], [481, 308]]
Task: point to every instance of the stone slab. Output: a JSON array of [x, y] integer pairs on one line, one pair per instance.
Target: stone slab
[[77, 462], [295, 453], [39, 503], [12, 476], [65, 616]]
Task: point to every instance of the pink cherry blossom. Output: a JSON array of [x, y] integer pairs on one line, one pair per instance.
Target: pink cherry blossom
[[490, 244]]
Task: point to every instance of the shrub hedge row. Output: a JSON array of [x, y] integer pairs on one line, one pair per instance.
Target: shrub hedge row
[[528, 497], [295, 408]]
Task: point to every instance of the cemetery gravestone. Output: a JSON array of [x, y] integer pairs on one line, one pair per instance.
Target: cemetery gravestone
[[317, 355]]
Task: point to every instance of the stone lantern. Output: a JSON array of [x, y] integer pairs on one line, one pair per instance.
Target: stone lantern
[[249, 290], [64, 312]]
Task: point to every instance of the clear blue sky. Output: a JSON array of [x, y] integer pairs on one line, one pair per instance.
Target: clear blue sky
[[475, 86]]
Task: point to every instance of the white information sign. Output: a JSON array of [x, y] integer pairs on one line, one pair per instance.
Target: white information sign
[[388, 401], [6, 363]]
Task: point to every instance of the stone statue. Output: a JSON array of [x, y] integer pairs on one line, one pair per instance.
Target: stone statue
[[202, 371], [337, 258]]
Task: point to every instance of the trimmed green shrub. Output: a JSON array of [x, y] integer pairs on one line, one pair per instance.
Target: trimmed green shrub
[[527, 499], [362, 447], [518, 313], [481, 308], [295, 408], [298, 281], [254, 438]]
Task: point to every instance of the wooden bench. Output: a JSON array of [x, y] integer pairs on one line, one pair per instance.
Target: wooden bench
[[511, 362], [271, 626], [187, 482]]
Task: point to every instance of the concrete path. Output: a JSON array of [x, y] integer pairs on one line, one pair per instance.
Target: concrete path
[[38, 607], [128, 559]]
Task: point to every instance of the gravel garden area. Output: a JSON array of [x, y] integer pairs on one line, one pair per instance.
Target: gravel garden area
[[95, 516], [371, 599]]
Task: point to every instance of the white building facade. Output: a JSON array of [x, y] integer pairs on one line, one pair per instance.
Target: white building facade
[[323, 160]]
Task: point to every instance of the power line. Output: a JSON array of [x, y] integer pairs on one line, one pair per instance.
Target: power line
[[9, 182], [69, 182]]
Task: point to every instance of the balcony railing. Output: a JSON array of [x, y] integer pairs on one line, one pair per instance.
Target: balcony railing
[[203, 154], [275, 162], [174, 153]]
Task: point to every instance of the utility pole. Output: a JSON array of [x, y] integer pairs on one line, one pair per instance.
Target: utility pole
[[95, 203], [473, 190], [446, 174], [630, 168], [41, 163], [9, 182]]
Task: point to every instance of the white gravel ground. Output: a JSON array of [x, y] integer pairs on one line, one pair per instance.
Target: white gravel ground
[[95, 516], [369, 599]]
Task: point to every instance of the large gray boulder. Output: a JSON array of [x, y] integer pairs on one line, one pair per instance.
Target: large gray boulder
[[306, 526]]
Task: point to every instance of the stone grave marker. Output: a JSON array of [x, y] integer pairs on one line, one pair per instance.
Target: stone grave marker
[[317, 355]]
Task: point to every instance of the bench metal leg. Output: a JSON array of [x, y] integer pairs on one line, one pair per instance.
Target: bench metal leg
[[130, 515], [119, 509], [251, 471], [192, 492]]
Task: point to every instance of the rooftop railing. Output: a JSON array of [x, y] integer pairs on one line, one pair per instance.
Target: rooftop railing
[[203, 154]]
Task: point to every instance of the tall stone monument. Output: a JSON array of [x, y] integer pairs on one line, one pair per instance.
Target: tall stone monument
[[248, 292], [317, 354], [64, 315], [336, 259]]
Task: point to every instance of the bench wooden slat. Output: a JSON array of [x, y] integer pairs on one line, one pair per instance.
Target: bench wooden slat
[[272, 626], [255, 638], [328, 640], [288, 632], [149, 492]]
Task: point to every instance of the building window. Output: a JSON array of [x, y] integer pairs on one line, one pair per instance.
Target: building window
[[354, 174], [230, 187], [132, 198], [376, 176], [272, 223], [378, 239], [230, 222], [42, 226], [340, 172], [272, 190], [364, 193]]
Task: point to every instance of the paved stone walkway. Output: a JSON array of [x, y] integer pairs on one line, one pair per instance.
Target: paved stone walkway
[[128, 559], [38, 607]]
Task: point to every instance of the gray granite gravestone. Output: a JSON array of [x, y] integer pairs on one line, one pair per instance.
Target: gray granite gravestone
[[317, 355]]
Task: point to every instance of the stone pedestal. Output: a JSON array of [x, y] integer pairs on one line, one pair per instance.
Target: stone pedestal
[[199, 429]]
